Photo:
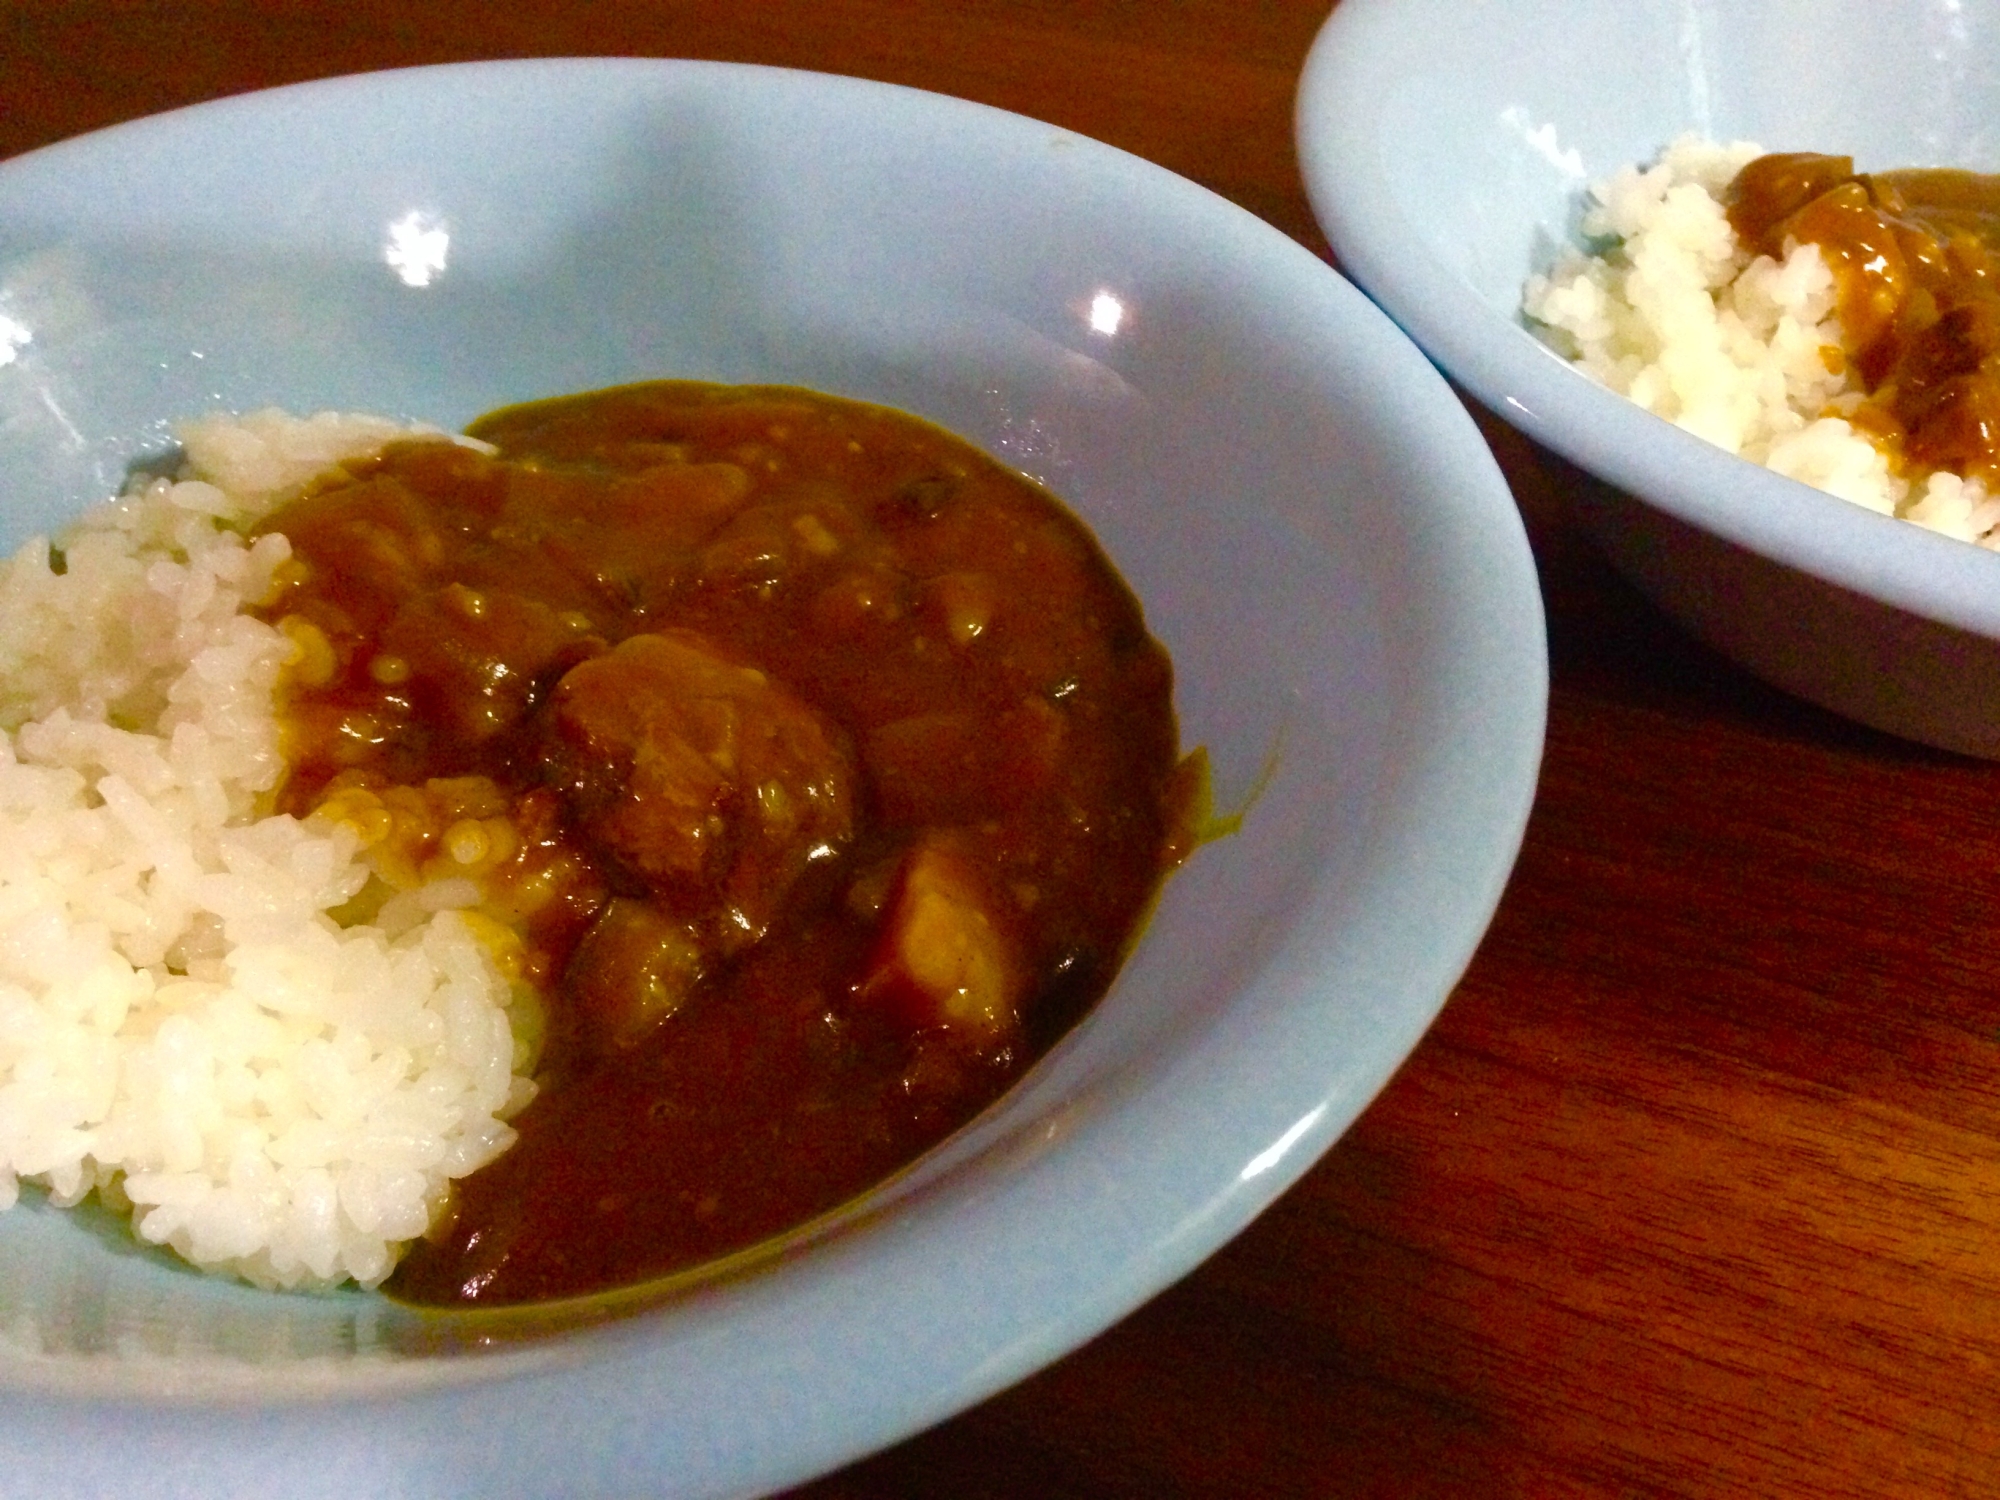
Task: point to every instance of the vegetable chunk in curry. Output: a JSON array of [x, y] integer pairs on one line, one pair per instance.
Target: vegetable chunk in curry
[[815, 769]]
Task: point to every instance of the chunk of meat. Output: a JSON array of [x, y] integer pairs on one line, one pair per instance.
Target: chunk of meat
[[957, 766], [949, 956], [631, 971], [621, 541], [765, 545], [481, 652], [377, 534], [701, 777]]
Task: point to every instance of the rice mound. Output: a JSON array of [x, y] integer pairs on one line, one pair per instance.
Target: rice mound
[[184, 1029], [1669, 311]]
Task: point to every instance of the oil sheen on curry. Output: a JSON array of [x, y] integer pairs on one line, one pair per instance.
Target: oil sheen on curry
[[1916, 258], [815, 769]]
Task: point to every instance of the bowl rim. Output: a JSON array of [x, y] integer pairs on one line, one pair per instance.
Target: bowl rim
[[1492, 700], [1343, 158]]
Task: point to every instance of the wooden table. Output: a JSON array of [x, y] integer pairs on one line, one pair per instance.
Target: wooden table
[[1694, 1189]]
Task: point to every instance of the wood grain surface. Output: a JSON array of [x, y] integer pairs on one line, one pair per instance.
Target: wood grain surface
[[1695, 1188]]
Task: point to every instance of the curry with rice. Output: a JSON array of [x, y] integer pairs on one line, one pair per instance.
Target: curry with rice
[[813, 768]]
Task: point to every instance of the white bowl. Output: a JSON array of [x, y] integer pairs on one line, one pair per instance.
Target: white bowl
[[1444, 145], [1321, 539]]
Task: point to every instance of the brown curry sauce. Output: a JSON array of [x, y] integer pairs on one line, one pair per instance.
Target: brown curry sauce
[[814, 768], [1917, 276]]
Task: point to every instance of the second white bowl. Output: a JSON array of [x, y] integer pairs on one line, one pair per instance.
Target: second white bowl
[[1445, 144]]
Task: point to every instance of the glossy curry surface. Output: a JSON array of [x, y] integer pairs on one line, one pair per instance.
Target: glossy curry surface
[[1916, 260], [812, 767]]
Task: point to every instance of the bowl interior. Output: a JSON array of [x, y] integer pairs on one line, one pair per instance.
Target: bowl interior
[[1445, 144], [1491, 119], [1225, 413]]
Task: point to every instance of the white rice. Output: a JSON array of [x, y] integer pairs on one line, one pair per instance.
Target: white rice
[[183, 1027], [1670, 312]]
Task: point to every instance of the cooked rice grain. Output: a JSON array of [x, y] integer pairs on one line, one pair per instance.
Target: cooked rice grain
[[1744, 352], [183, 1027]]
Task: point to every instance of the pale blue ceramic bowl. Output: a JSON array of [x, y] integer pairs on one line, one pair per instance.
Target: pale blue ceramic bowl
[[1444, 144], [1320, 538]]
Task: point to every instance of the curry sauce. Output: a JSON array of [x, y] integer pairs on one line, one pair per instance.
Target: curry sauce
[[1916, 261], [813, 768]]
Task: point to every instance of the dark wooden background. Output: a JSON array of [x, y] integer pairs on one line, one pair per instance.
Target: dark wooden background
[[1695, 1188]]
